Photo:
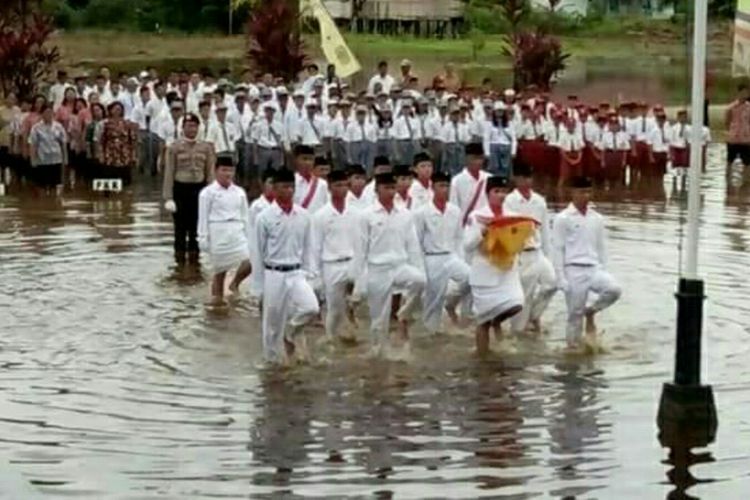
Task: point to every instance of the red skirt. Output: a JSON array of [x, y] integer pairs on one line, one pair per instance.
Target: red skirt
[[659, 166], [569, 169], [591, 163], [613, 163], [531, 153], [680, 157], [640, 159], [551, 161]]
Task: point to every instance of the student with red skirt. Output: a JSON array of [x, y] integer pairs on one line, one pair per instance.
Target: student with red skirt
[[615, 146], [658, 140], [571, 145]]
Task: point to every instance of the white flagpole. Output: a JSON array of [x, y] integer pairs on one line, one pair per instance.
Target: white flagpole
[[696, 138]]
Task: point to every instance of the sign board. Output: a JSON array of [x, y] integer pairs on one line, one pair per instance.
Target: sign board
[[741, 52], [107, 185]]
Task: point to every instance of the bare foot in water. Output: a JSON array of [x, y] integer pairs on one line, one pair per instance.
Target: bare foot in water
[[590, 323], [451, 312]]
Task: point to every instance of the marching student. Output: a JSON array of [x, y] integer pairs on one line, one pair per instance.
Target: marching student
[[580, 257], [310, 192], [256, 207], [357, 197], [189, 166], [440, 236], [537, 273], [390, 259], [468, 188], [284, 254], [222, 229], [420, 191], [496, 293], [334, 245], [404, 180], [321, 168], [381, 165]]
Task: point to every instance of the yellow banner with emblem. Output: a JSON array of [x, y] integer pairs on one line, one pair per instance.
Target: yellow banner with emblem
[[331, 41], [741, 52]]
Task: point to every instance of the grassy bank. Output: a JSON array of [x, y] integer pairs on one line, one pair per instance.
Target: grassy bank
[[90, 48]]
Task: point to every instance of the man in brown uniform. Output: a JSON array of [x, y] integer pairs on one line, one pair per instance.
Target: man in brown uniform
[[189, 166]]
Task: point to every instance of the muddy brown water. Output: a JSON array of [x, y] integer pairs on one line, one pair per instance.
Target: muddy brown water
[[116, 383]]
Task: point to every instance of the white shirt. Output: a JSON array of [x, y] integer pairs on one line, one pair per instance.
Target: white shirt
[[334, 235], [218, 204], [386, 82], [360, 203], [592, 132], [530, 130], [463, 189], [406, 128], [658, 138], [168, 131], [267, 135], [570, 141], [155, 109], [309, 131], [505, 136], [638, 128], [420, 195], [302, 187], [454, 133], [387, 238], [139, 114], [615, 142], [552, 132], [282, 240], [223, 137], [578, 239], [57, 94], [536, 208], [439, 232], [357, 132]]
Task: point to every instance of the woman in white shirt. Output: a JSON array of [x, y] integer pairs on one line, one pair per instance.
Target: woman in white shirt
[[500, 142], [571, 152], [384, 144]]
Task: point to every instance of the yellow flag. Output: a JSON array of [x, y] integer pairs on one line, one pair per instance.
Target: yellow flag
[[506, 237], [333, 44]]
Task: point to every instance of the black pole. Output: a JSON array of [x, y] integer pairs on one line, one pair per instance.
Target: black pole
[[689, 326]]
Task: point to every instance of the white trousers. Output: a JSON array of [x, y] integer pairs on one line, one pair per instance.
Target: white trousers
[[582, 281], [336, 278], [381, 282], [288, 299], [442, 270], [539, 286]]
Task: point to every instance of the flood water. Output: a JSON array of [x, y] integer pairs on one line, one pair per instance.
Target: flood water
[[116, 383]]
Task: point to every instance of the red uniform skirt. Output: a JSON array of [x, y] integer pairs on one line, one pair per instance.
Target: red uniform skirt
[[659, 166], [569, 169], [613, 164], [680, 157], [531, 153], [639, 158], [592, 162]]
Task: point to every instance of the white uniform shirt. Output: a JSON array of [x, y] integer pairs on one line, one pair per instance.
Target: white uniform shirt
[[57, 94], [168, 131], [224, 137], [309, 131], [615, 142], [356, 132], [439, 232], [638, 128], [499, 135], [463, 189], [570, 141], [658, 138], [267, 135], [360, 203], [139, 115], [419, 194], [282, 239], [334, 235], [406, 128], [454, 133], [386, 82], [220, 204], [387, 238], [592, 132], [578, 239], [302, 187], [552, 132], [156, 109], [536, 208]]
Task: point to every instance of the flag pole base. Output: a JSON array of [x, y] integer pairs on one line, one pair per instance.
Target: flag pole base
[[687, 415]]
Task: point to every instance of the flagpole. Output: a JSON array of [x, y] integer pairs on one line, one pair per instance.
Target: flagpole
[[687, 408], [230, 17]]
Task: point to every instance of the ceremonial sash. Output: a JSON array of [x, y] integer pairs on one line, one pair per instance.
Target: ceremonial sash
[[473, 202], [310, 193]]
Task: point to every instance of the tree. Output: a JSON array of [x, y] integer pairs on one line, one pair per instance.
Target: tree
[[537, 58], [26, 55], [274, 41]]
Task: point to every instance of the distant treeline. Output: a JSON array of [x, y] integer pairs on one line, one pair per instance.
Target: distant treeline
[[146, 15], [213, 15]]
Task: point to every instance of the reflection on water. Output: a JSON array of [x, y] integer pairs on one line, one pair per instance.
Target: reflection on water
[[116, 383]]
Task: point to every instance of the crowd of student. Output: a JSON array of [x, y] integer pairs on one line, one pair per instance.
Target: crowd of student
[[110, 127]]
